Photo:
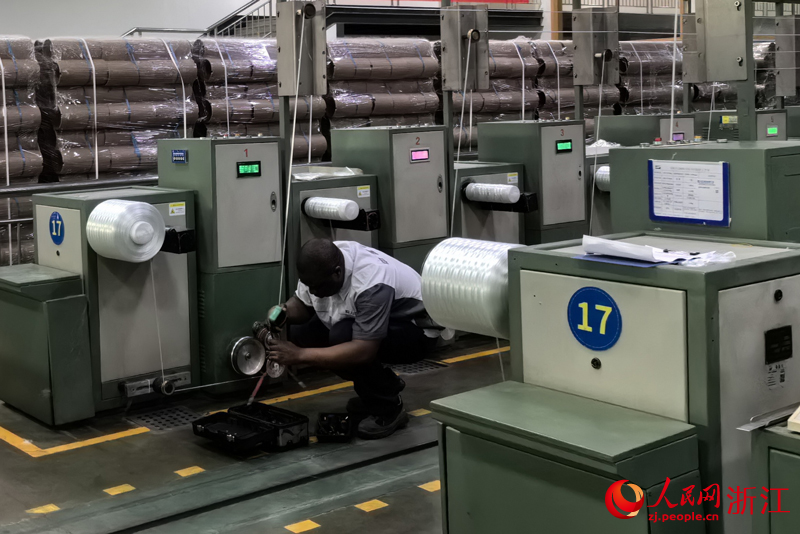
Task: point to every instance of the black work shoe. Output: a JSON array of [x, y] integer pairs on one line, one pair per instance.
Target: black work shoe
[[356, 406], [382, 426]]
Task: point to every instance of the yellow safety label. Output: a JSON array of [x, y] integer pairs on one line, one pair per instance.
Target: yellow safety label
[[513, 177], [363, 191], [177, 208]]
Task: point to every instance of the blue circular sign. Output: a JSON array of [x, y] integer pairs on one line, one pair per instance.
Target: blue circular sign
[[594, 318], [56, 228]]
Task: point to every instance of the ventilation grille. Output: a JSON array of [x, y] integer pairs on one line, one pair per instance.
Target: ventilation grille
[[165, 418], [418, 367]]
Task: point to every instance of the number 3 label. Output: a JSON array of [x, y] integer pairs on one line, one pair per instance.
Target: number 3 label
[[594, 318]]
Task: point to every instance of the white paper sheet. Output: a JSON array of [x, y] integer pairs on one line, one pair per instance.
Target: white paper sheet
[[620, 249], [688, 190]]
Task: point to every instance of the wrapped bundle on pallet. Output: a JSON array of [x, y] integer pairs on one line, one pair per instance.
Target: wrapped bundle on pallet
[[381, 82], [106, 102], [645, 69], [555, 79], [237, 91], [512, 66], [20, 157]]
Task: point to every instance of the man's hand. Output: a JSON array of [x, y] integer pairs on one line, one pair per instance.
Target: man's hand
[[285, 352]]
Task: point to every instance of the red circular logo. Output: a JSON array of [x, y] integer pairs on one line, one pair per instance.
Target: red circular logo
[[615, 501]]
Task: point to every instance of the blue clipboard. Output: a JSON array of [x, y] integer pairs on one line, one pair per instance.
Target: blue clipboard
[[726, 201]]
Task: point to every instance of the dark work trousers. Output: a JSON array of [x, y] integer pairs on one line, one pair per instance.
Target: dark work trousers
[[376, 384]]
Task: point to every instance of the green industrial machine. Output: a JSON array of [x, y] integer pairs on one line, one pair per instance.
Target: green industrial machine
[[771, 125], [702, 345], [552, 154], [793, 121], [330, 182], [237, 187], [519, 458], [776, 465], [85, 333], [742, 190], [631, 130], [410, 164], [502, 222]]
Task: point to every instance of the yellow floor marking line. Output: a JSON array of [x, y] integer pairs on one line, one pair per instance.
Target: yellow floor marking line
[[46, 509], [419, 413], [312, 439], [119, 490], [436, 485], [302, 526], [309, 393], [189, 471], [32, 450], [476, 355], [369, 506]]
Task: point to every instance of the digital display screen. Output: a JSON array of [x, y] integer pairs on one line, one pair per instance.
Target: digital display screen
[[772, 131], [677, 136], [564, 146], [421, 154], [246, 169]]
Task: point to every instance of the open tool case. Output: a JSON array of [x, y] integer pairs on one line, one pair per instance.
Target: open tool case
[[245, 428]]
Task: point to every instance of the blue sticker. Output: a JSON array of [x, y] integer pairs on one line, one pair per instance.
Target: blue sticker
[[594, 318], [180, 156], [57, 228]]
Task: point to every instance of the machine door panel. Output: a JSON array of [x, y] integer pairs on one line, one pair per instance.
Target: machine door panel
[[132, 314], [493, 488], [563, 191], [420, 192], [751, 318], [644, 370], [361, 195], [784, 472], [248, 205]]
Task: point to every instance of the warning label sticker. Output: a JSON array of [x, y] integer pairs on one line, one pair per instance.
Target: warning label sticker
[[363, 191], [177, 208], [513, 177], [776, 375]]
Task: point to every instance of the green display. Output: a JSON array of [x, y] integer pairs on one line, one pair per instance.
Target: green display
[[772, 131], [564, 146], [248, 168]]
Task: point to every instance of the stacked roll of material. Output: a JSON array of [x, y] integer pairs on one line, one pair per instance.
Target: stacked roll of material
[[20, 158], [237, 91], [106, 102], [512, 67], [381, 82], [555, 79]]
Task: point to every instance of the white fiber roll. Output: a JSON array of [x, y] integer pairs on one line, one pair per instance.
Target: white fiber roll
[[465, 285], [125, 230], [505, 194], [337, 209], [602, 178]]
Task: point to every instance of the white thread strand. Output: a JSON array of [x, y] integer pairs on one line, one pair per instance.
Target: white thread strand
[[674, 60], [465, 286], [500, 357], [523, 80], [183, 85], [291, 157], [125, 230], [94, 102], [460, 135], [334, 209], [158, 324], [8, 172], [597, 129], [558, 79], [500, 193]]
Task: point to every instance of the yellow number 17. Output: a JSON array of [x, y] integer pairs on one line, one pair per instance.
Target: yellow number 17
[[585, 324]]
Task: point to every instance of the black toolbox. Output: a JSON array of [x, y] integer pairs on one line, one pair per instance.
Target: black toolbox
[[244, 428]]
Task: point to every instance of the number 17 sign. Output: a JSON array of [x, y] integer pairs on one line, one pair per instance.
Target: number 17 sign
[[594, 318]]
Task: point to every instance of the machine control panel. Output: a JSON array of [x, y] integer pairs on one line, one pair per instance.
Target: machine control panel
[[248, 169], [419, 155], [563, 146], [777, 344]]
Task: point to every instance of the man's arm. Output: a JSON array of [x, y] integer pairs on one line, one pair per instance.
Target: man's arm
[[348, 354], [297, 312]]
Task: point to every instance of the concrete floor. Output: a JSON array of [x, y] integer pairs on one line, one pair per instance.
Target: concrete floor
[[136, 484]]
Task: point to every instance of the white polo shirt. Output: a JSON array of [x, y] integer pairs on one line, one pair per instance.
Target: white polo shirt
[[376, 288]]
